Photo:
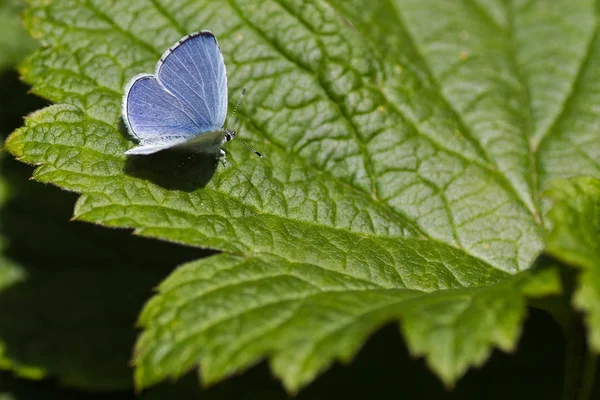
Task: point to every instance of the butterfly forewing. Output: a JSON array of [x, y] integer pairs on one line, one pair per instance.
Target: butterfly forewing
[[194, 71]]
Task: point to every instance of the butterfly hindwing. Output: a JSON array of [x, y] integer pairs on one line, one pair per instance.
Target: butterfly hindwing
[[155, 116]]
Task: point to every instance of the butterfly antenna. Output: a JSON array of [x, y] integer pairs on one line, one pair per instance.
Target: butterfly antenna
[[248, 147], [235, 108]]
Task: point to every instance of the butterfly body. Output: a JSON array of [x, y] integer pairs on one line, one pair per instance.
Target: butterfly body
[[183, 105]]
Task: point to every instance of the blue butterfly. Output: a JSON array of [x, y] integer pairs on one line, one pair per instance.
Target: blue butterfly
[[184, 104]]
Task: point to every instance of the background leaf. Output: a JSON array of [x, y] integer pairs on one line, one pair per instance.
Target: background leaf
[[575, 239], [405, 157], [14, 45], [14, 41]]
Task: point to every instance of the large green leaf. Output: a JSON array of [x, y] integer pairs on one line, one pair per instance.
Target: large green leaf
[[406, 142]]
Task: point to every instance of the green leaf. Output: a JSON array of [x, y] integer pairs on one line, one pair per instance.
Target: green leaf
[[407, 143], [575, 239]]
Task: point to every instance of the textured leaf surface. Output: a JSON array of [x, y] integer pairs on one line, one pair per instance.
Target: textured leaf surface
[[407, 144], [575, 239]]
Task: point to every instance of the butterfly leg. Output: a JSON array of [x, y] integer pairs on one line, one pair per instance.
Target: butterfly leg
[[222, 157]]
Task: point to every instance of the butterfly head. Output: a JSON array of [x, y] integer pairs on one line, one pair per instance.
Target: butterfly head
[[229, 134]]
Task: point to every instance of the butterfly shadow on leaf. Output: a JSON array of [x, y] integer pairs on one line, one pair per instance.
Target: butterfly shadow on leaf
[[173, 169]]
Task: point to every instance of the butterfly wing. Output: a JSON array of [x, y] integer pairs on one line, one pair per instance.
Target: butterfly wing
[[155, 117], [184, 100], [194, 72]]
